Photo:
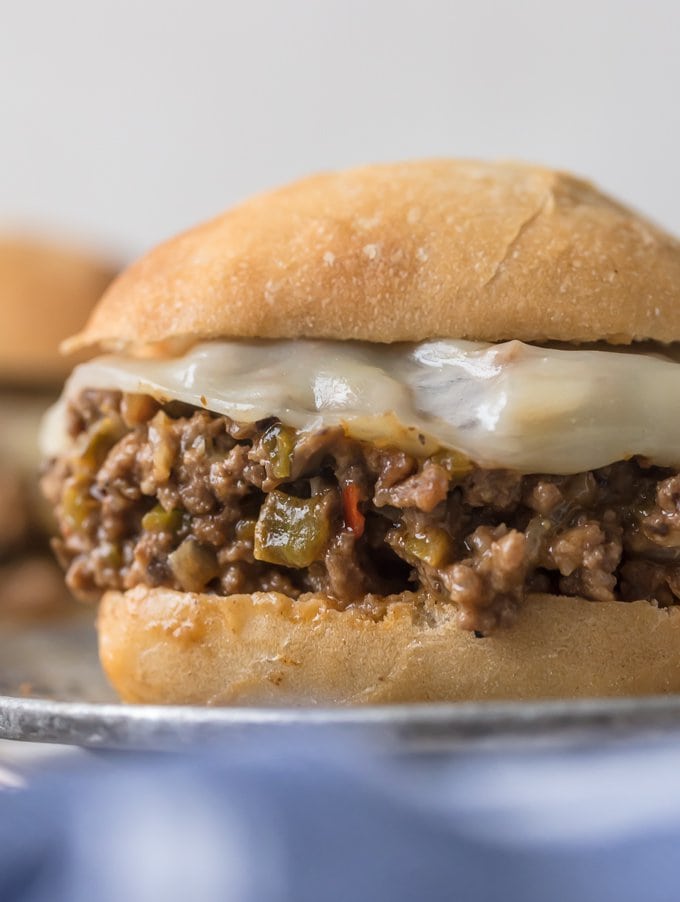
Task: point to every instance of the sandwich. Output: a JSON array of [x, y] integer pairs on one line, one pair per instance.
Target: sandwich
[[46, 291], [401, 433]]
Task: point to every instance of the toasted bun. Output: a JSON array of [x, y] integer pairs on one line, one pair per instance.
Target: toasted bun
[[405, 252], [167, 647], [46, 292]]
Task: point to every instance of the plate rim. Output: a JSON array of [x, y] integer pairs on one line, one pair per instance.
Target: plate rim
[[118, 725]]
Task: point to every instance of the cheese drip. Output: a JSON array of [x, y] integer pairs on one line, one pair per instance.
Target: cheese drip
[[511, 405]]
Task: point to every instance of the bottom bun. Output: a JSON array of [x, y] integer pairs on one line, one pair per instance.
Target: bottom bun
[[168, 647]]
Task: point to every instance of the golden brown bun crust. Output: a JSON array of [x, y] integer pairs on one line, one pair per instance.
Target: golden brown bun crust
[[46, 292], [406, 252], [162, 646]]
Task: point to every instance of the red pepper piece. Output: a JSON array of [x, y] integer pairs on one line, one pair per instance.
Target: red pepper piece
[[354, 519]]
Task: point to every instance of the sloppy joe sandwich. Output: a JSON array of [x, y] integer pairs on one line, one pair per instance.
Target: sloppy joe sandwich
[[401, 433], [46, 291]]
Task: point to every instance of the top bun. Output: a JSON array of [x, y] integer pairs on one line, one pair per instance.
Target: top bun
[[46, 291], [406, 252]]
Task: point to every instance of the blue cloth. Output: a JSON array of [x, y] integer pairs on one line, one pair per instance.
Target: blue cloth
[[307, 819]]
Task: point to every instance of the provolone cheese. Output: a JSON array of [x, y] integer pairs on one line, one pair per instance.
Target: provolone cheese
[[511, 405]]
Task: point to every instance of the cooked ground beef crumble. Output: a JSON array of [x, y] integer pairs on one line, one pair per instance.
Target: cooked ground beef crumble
[[176, 496]]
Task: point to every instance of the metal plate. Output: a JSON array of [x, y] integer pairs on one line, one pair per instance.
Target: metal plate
[[52, 690]]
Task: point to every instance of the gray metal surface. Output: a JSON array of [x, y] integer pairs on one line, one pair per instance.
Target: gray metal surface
[[52, 690]]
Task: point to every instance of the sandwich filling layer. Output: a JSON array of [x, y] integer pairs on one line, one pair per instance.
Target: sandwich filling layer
[[160, 492]]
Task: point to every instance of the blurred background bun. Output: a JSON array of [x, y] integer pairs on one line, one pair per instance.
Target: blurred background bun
[[47, 289]]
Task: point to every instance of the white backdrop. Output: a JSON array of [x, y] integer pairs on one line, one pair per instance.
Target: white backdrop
[[123, 121]]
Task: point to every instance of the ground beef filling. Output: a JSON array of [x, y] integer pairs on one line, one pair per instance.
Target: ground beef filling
[[176, 496]]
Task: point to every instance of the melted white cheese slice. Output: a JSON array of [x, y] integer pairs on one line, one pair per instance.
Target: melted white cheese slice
[[510, 405]]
